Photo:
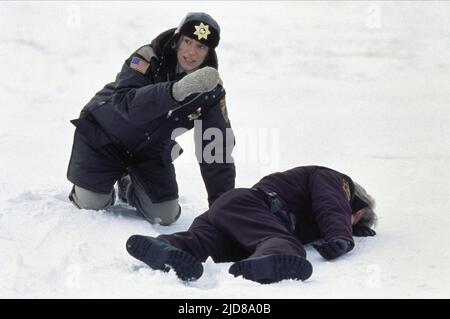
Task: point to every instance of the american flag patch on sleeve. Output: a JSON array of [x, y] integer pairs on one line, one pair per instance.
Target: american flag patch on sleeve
[[139, 65]]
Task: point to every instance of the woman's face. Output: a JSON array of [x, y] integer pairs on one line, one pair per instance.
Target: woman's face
[[191, 53]]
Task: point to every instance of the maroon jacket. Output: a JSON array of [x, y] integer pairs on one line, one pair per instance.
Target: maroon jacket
[[321, 199]]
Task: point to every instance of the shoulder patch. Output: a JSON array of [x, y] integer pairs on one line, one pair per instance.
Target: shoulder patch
[[139, 65], [223, 108]]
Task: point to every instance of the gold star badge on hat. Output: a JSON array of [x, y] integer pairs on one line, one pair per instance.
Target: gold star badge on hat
[[202, 31]]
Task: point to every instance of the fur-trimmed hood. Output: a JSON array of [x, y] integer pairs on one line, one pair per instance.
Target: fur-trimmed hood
[[366, 202]]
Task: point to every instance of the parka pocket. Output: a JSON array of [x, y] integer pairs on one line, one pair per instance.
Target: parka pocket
[[93, 134]]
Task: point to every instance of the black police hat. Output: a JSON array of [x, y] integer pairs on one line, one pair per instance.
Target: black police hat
[[202, 27]]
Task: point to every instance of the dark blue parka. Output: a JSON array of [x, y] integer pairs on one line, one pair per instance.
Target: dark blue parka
[[138, 113]]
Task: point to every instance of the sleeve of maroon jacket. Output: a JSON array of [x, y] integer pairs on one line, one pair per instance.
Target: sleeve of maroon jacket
[[330, 205]]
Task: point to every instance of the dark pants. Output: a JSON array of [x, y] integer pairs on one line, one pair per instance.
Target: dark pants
[[98, 169], [238, 225]]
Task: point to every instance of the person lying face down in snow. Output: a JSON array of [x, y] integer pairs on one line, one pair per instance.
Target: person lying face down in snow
[[262, 230]]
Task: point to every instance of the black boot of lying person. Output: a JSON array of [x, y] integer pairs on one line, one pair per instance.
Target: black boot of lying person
[[160, 255], [272, 268]]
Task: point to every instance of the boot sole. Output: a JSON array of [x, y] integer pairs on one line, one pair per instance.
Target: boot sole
[[272, 268], [160, 255]]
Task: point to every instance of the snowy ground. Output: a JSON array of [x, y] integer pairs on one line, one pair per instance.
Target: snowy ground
[[360, 87]]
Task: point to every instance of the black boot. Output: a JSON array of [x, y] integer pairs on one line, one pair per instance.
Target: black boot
[[161, 255], [272, 268]]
